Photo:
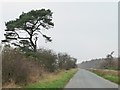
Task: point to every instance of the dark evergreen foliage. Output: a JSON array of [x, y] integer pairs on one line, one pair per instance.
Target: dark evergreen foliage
[[30, 23]]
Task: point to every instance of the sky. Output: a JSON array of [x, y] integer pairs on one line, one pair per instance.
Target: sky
[[85, 30]]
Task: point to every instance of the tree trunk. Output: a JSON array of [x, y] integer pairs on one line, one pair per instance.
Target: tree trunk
[[35, 49], [33, 45]]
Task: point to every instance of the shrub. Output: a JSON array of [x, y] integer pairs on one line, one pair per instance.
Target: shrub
[[19, 69], [65, 61]]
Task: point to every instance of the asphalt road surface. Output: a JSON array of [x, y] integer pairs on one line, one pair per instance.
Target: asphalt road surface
[[86, 79]]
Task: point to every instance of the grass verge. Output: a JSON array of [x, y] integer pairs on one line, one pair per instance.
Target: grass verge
[[58, 80], [108, 74]]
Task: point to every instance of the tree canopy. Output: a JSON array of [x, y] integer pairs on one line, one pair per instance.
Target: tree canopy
[[30, 24]]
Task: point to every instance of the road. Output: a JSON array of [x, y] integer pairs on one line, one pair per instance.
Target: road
[[86, 79]]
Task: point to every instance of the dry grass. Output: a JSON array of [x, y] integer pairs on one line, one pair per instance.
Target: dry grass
[[106, 71], [54, 80], [112, 75]]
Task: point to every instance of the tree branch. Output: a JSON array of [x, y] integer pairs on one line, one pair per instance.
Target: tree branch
[[35, 23], [36, 38], [21, 37], [37, 27]]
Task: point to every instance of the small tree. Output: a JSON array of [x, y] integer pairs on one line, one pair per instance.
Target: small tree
[[109, 56], [65, 61], [30, 24], [108, 63]]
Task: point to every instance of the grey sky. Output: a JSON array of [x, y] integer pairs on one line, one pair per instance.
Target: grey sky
[[85, 30]]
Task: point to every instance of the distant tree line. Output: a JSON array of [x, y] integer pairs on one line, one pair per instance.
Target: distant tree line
[[109, 62]]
